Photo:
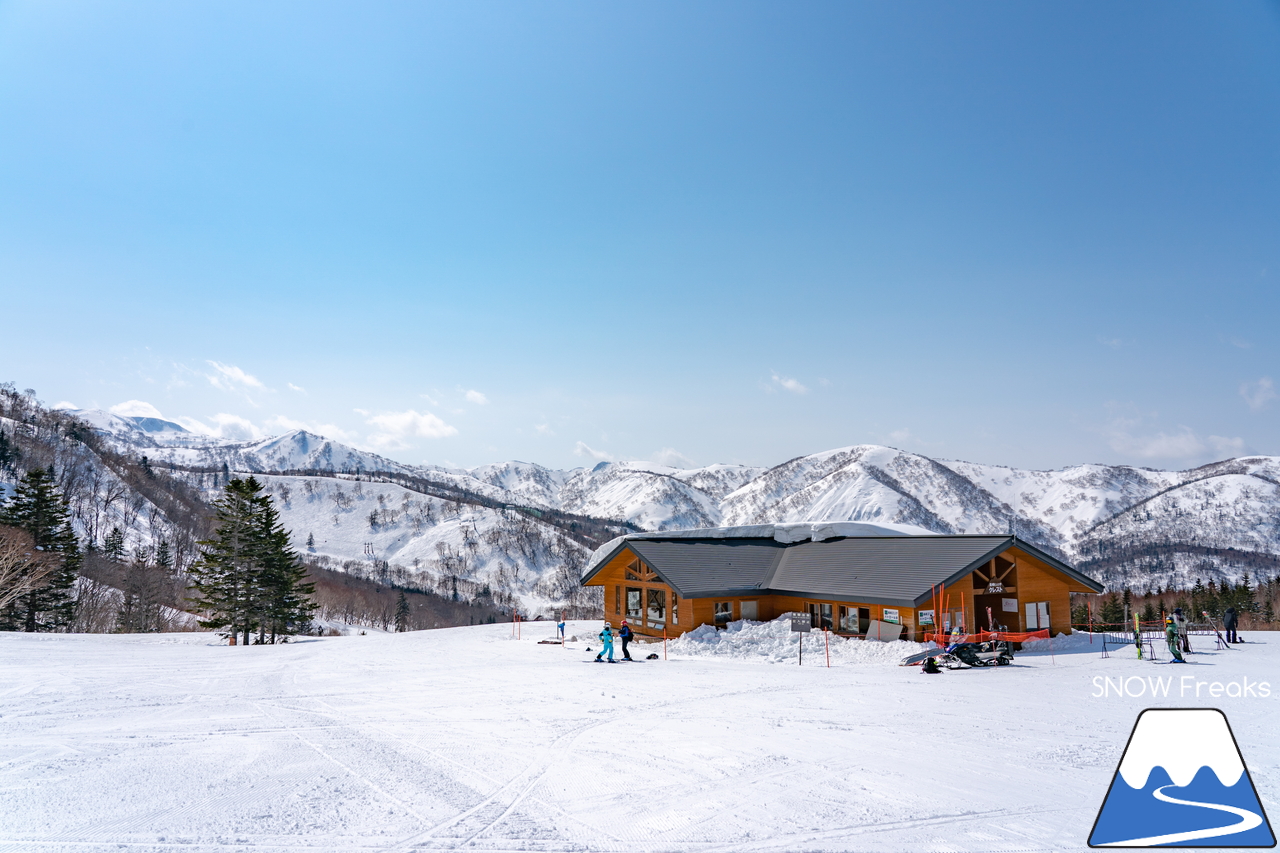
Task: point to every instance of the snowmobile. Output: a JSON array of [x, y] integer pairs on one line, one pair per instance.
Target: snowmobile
[[982, 654]]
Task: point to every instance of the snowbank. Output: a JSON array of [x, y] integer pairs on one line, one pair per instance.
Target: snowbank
[[774, 642]]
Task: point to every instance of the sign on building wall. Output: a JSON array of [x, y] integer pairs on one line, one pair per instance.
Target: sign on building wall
[[1009, 605], [891, 616], [926, 617]]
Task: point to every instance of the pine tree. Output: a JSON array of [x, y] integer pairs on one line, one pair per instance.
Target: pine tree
[[248, 578], [311, 540], [113, 545], [164, 557], [402, 613], [226, 576], [39, 509], [286, 603]]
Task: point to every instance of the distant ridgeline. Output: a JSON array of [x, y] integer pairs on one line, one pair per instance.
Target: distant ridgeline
[[519, 533]]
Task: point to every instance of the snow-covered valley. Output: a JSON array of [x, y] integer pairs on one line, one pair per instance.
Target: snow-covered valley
[[468, 739], [1123, 524]]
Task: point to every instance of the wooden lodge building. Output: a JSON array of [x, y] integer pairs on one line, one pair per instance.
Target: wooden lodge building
[[872, 585]]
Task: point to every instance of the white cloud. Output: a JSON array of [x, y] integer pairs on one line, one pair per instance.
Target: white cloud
[[902, 436], [282, 423], [1113, 343], [581, 449], [224, 425], [474, 396], [429, 399], [789, 384], [544, 429], [1180, 445], [395, 427], [297, 388], [672, 458], [1227, 446], [135, 409], [231, 378], [1257, 394]]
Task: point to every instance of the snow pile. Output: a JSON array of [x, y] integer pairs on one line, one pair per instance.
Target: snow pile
[[774, 642]]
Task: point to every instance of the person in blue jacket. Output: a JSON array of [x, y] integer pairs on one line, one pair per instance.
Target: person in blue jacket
[[606, 637]]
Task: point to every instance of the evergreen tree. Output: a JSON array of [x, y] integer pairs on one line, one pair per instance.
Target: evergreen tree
[[286, 604], [1149, 612], [402, 613], [164, 557], [113, 545], [311, 540], [38, 508], [1112, 610], [226, 576], [248, 579]]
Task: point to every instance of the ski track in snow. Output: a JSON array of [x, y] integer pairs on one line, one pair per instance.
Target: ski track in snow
[[465, 739]]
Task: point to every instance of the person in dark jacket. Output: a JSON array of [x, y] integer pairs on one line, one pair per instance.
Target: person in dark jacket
[[1231, 621], [625, 634], [1180, 622]]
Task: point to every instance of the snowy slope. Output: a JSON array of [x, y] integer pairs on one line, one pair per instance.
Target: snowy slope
[[468, 739], [1161, 521]]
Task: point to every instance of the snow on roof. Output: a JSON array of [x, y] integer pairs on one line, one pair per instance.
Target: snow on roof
[[803, 531]]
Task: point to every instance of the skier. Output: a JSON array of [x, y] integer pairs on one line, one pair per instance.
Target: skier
[[1171, 636], [931, 666], [560, 628], [606, 637], [1181, 622], [626, 634], [1231, 621]]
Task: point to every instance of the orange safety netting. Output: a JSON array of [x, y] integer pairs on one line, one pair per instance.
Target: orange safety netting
[[988, 636]]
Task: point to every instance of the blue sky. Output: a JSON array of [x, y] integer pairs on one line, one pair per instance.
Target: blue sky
[[1028, 234]]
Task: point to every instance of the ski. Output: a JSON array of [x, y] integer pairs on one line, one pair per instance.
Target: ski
[[1137, 635]]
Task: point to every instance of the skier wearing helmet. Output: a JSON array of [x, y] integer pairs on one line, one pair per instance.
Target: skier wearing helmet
[[606, 637], [625, 634], [1171, 636]]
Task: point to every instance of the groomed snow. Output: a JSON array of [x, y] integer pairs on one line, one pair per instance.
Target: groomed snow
[[466, 739]]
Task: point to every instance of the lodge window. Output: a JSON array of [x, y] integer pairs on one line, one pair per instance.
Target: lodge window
[[633, 603], [675, 608], [820, 615], [724, 613], [617, 599], [855, 620], [657, 608], [1037, 615]]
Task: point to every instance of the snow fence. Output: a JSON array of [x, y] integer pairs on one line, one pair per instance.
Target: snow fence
[[774, 642]]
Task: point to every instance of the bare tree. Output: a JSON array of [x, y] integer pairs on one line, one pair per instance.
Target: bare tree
[[23, 569]]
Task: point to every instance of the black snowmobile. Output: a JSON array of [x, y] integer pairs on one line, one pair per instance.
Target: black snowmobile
[[998, 653]]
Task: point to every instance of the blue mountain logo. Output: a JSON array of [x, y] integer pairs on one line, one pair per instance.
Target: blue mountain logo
[[1182, 783]]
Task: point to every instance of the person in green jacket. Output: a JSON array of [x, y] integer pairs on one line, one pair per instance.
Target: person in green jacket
[[1171, 636]]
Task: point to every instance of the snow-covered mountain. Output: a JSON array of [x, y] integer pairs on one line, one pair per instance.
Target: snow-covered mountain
[[1123, 524]]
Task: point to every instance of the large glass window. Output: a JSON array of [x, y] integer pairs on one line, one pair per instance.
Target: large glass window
[[617, 599], [656, 614], [820, 615], [675, 608], [724, 613], [633, 603]]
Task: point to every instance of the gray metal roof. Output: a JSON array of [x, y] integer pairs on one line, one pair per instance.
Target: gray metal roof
[[697, 569], [896, 570], [892, 570]]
